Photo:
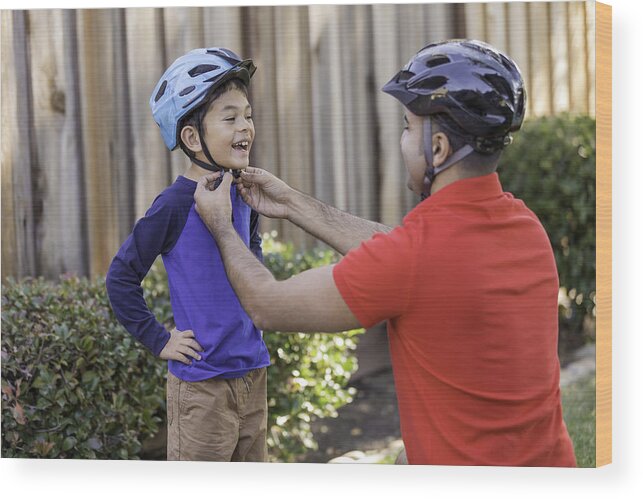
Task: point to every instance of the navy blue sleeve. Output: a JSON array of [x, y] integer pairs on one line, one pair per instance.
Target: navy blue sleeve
[[152, 235], [255, 237]]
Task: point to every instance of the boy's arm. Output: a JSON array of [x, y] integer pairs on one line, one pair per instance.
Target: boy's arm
[[155, 233], [274, 198]]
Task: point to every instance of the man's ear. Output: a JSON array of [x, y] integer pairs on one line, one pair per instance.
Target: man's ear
[[441, 148], [190, 137]]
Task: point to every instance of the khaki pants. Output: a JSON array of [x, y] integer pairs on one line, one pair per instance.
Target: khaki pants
[[217, 419]]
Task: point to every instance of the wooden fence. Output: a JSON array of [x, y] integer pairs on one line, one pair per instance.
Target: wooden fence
[[82, 158]]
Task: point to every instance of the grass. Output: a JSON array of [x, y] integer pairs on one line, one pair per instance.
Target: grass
[[579, 412]]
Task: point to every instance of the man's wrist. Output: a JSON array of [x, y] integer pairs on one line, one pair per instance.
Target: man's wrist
[[218, 225], [296, 205]]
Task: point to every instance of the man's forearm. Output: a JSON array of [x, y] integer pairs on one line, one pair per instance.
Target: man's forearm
[[335, 227], [306, 302], [248, 277]]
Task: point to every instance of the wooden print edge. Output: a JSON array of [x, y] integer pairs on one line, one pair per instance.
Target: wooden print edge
[[603, 234]]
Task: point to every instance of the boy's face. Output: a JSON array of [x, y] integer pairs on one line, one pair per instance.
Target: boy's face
[[412, 145], [229, 130]]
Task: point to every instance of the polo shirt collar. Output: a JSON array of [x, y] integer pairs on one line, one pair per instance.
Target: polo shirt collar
[[468, 189]]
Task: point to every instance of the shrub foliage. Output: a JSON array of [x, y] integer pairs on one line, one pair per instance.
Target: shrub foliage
[[75, 384]]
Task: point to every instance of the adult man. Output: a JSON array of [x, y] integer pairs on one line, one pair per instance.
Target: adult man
[[468, 283]]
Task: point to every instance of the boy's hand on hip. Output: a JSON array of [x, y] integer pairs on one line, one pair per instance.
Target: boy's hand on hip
[[213, 203], [181, 346], [264, 193]]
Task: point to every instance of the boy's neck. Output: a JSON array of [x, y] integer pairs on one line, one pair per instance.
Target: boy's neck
[[195, 172]]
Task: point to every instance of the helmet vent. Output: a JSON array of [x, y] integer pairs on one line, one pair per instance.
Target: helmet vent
[[404, 76], [187, 90], [229, 56], [431, 84], [161, 91], [500, 85], [438, 60], [202, 68]]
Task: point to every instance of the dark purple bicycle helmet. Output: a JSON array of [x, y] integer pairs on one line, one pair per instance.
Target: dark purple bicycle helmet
[[480, 90]]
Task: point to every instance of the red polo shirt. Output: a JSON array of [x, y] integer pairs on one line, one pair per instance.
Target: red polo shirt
[[469, 287]]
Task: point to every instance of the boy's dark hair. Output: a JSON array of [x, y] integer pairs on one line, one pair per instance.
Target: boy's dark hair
[[195, 117]]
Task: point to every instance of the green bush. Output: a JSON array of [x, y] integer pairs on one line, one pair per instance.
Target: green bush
[[552, 167], [309, 373], [75, 384]]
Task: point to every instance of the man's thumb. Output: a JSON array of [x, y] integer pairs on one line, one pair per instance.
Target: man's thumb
[[227, 180], [254, 175]]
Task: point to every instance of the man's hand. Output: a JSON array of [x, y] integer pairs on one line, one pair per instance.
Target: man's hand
[[264, 192], [181, 346], [213, 204]]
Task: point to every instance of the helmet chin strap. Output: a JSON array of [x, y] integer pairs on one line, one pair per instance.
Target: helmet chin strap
[[212, 165], [431, 172]]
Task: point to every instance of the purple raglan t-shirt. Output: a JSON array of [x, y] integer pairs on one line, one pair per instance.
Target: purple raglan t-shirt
[[201, 296]]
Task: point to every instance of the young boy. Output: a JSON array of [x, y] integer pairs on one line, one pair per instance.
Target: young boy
[[216, 382]]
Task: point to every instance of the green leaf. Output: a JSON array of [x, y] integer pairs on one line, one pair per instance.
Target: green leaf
[[68, 443]]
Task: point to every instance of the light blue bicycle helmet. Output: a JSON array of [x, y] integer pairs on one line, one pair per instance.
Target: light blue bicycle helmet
[[186, 84]]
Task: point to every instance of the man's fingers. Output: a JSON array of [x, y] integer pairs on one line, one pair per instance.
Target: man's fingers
[[254, 176], [227, 180], [252, 170], [244, 192], [204, 182], [188, 333]]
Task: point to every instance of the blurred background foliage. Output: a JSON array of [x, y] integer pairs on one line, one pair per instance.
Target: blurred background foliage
[[551, 166]]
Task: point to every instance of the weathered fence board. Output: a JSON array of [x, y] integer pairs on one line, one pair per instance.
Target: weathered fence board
[[223, 27], [47, 79], [82, 158], [97, 88], [76, 249], [294, 109], [389, 115], [578, 61], [178, 41], [260, 42], [146, 64], [8, 140], [19, 126], [541, 87], [560, 68]]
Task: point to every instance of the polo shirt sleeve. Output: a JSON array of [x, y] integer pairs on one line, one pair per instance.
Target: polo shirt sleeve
[[375, 279], [152, 235]]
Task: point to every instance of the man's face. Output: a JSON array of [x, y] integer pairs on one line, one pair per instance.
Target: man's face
[[412, 145], [229, 130]]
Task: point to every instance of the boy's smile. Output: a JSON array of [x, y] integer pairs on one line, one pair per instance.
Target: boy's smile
[[229, 130]]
